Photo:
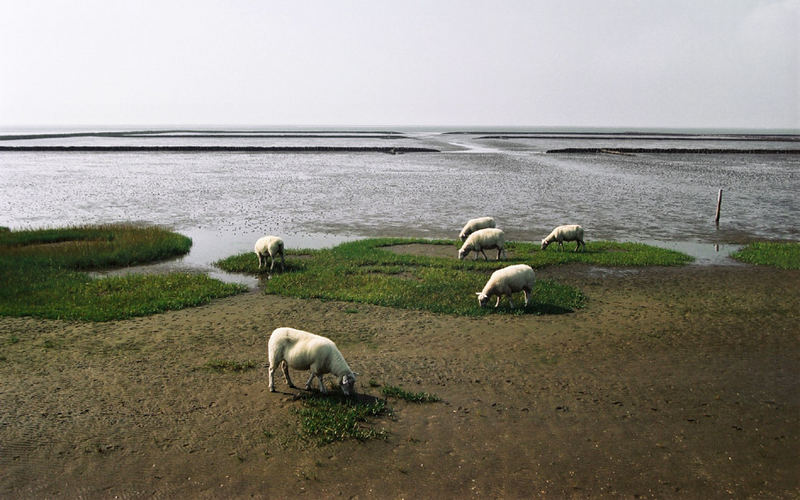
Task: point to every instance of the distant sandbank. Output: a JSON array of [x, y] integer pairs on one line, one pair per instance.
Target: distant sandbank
[[222, 149]]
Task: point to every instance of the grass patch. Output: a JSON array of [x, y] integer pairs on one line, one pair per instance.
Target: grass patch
[[391, 391], [226, 365], [328, 418], [44, 273], [364, 271], [247, 262], [601, 253], [783, 255]]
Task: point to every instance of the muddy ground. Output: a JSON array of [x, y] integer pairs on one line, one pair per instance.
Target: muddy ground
[[671, 382]]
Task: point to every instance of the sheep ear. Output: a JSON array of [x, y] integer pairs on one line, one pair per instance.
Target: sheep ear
[[478, 293]]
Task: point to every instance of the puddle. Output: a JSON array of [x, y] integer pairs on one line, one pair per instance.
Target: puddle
[[705, 254], [210, 246]]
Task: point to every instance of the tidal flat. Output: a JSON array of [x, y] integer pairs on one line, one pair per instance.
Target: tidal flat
[[669, 381]]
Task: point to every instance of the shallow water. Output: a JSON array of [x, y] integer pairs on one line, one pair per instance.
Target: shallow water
[[225, 201]]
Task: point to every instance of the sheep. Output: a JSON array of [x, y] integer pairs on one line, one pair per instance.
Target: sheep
[[483, 239], [269, 246], [565, 233], [475, 224], [507, 281], [301, 350]]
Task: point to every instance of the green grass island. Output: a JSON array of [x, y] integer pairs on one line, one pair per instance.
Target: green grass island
[[45, 273]]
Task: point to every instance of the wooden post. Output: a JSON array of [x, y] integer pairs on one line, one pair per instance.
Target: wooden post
[[719, 205]]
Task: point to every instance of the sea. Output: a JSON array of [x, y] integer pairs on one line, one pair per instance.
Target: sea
[[315, 187]]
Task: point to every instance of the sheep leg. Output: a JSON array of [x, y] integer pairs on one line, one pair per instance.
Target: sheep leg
[[283, 262], [527, 296], [321, 385], [498, 302], [510, 302], [271, 378], [484, 255], [285, 367], [259, 260], [272, 263]]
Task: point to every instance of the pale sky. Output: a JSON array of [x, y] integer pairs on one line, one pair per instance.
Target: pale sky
[[592, 63]]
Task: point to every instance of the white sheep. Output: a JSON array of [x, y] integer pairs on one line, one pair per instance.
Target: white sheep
[[484, 239], [473, 225], [269, 246], [561, 234], [301, 350], [507, 281]]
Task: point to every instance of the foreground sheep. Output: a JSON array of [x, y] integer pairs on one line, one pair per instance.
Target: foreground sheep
[[561, 234], [507, 281], [301, 350], [473, 225], [269, 246], [484, 239]]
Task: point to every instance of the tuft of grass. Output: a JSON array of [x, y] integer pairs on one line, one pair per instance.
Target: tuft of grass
[[325, 419], [783, 255], [391, 391], [364, 271], [226, 365], [43, 273]]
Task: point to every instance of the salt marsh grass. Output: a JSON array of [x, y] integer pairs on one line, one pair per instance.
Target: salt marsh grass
[[43, 273], [328, 418], [391, 391], [783, 255], [365, 271]]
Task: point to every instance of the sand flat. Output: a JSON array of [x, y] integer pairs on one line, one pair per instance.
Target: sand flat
[[670, 382]]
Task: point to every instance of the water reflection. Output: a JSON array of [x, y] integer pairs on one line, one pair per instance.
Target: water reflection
[[704, 253]]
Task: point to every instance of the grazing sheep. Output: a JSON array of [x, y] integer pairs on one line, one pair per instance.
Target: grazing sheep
[[565, 233], [483, 239], [301, 350], [269, 246], [507, 281], [475, 224]]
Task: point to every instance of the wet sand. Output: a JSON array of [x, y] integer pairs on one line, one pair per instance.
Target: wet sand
[[669, 383]]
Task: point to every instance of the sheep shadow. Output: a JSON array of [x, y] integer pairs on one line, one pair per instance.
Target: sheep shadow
[[534, 308], [333, 396], [336, 396]]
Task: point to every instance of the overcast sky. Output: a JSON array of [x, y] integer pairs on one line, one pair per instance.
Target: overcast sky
[[593, 63]]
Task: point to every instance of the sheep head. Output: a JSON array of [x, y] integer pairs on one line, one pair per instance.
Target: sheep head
[[545, 243], [348, 384], [482, 298], [462, 253]]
